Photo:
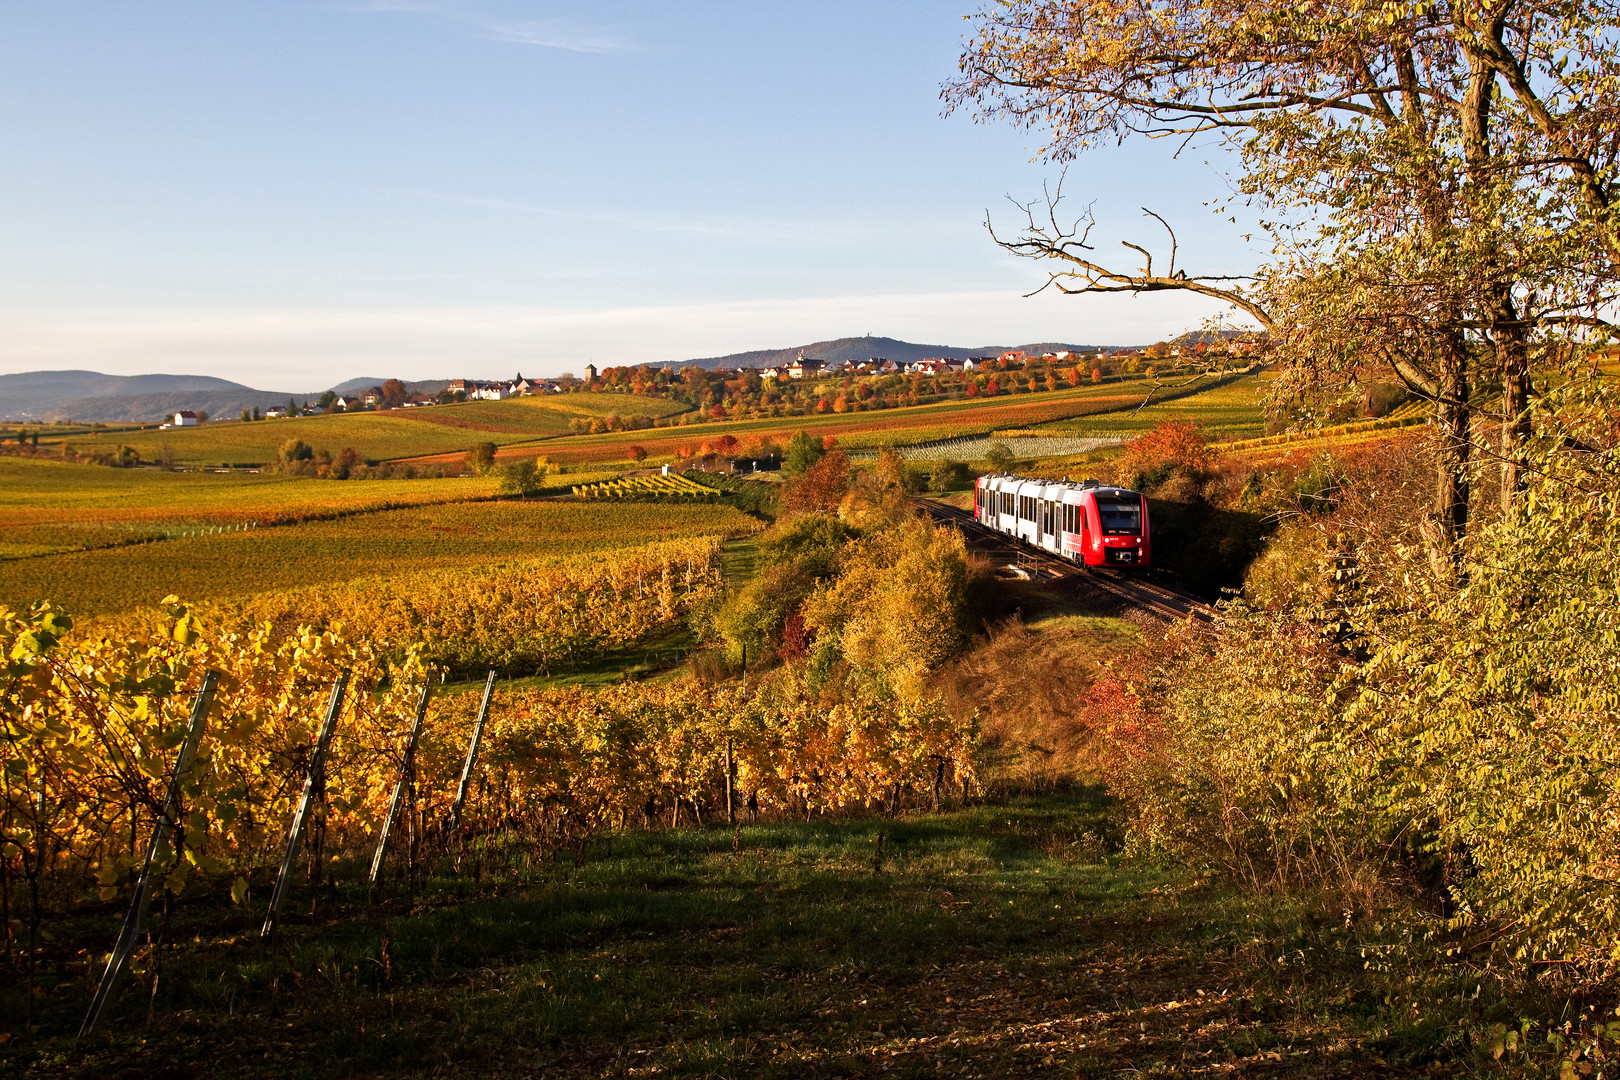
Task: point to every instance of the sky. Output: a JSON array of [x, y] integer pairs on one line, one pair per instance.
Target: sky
[[290, 193]]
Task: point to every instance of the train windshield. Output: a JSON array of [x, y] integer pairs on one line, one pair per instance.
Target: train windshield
[[1120, 517]]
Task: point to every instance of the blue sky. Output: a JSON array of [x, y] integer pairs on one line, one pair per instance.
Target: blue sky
[[290, 193]]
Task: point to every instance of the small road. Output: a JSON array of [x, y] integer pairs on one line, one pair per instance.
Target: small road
[[1159, 600]]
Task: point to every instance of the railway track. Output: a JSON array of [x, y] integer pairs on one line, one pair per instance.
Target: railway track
[[1166, 603]]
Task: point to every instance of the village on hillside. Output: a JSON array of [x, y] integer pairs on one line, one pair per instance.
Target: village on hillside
[[678, 381]]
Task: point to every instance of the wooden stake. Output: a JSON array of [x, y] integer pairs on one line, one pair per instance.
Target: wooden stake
[[312, 782], [407, 775], [731, 768], [166, 823], [472, 753]]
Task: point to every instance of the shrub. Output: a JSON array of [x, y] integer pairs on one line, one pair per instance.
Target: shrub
[[520, 477], [1369, 720], [822, 486], [1172, 446], [481, 458], [948, 475], [803, 451]]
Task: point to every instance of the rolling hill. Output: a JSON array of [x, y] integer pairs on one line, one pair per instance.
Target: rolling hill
[[90, 395], [862, 348]]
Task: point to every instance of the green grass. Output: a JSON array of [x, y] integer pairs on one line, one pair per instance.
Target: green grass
[[441, 429], [418, 538], [990, 941]]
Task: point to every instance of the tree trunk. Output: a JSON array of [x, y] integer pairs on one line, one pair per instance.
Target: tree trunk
[[1513, 361], [1453, 420]]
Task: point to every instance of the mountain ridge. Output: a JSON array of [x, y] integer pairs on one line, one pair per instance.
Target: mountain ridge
[[837, 350]]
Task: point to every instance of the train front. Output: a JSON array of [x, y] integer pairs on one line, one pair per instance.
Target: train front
[[1118, 524]]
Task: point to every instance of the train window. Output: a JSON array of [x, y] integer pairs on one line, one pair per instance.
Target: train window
[[1120, 516]]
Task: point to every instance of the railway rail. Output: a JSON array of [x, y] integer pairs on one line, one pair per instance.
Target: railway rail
[[1166, 603]]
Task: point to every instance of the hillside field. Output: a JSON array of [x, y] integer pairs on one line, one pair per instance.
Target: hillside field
[[525, 426], [53, 506], [1107, 410], [400, 433], [474, 535]]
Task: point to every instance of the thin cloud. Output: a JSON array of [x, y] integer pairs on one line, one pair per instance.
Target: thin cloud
[[742, 228], [554, 34], [562, 34]]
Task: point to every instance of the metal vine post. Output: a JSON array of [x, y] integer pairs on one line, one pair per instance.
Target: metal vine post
[[472, 753], [167, 822], [312, 781], [407, 776]]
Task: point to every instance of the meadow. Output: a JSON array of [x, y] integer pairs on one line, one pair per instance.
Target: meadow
[[990, 940], [439, 537], [384, 436]]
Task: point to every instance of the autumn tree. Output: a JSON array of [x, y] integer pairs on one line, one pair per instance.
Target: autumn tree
[[481, 458], [1437, 177], [822, 486], [803, 451], [294, 450], [394, 393]]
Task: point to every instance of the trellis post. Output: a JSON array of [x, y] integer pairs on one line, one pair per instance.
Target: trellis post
[[167, 821], [312, 782], [472, 752], [407, 775]]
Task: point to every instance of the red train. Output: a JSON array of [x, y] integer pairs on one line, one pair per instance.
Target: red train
[[1088, 522]]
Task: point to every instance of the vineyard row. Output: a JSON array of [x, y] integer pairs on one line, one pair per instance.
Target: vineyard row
[[94, 724]]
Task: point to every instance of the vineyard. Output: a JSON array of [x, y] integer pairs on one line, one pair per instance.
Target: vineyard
[[977, 447], [867, 429], [649, 489], [319, 553], [1229, 408], [94, 717], [398, 433], [50, 506]]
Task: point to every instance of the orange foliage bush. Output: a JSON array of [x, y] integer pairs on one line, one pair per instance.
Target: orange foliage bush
[[821, 487], [1172, 445]]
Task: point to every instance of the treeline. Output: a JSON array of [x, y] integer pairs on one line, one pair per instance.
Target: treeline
[[295, 457]]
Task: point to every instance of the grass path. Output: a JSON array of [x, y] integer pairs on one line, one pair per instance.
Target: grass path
[[991, 941]]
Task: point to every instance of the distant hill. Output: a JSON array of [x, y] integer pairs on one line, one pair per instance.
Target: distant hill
[[49, 395], [91, 397], [861, 348], [150, 408]]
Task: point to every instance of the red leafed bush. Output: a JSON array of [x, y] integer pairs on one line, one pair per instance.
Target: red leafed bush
[[1173, 444]]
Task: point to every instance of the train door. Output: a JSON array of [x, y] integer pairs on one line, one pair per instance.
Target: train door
[[1068, 528]]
